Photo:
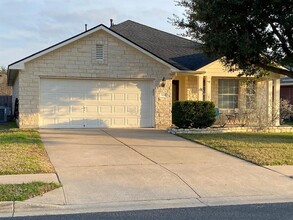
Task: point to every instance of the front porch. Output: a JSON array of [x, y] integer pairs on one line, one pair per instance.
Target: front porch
[[240, 101]]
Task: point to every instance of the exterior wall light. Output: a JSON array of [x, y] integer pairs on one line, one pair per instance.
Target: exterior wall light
[[163, 82]]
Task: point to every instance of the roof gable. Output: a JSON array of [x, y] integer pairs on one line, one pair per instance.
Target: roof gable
[[18, 65]]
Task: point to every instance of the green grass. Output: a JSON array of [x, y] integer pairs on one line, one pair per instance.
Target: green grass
[[7, 126], [20, 192], [258, 148], [22, 151]]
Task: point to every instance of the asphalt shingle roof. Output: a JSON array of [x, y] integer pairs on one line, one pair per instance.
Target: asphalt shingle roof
[[181, 53]]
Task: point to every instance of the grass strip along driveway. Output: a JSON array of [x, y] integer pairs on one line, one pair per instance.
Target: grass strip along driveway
[[259, 148], [22, 152]]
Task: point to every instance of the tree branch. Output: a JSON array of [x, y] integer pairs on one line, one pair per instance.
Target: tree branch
[[275, 69], [282, 40]]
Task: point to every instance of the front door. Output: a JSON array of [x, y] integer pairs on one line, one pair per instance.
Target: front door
[[175, 90]]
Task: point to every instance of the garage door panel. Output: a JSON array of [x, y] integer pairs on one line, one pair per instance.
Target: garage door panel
[[64, 122], [105, 110], [118, 122], [63, 110], [105, 122], [77, 109], [105, 86], [132, 122], [49, 122], [77, 96], [48, 111], [92, 103], [91, 97], [63, 97], [119, 97], [119, 110], [50, 86], [92, 110], [132, 97], [105, 96], [48, 98], [132, 85], [91, 122], [91, 87], [132, 110], [118, 85], [77, 122]]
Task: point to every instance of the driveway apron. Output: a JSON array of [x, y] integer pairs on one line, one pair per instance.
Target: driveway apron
[[129, 165]]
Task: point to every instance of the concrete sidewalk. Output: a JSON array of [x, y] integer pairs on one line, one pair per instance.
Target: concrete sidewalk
[[27, 178], [132, 169]]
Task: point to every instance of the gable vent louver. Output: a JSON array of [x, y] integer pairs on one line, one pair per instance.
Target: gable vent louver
[[99, 52]]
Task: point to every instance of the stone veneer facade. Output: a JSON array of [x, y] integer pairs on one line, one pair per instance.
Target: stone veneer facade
[[213, 130], [77, 60]]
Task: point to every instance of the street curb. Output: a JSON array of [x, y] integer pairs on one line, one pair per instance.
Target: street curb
[[16, 209], [6, 209]]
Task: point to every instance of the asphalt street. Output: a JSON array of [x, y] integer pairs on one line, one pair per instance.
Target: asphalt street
[[282, 211]]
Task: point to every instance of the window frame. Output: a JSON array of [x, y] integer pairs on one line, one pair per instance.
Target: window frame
[[226, 94]]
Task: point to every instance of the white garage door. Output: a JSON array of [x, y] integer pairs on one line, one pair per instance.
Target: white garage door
[[96, 104]]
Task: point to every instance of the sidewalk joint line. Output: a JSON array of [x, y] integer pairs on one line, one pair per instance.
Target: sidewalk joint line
[[202, 202], [65, 199], [275, 171], [170, 171]]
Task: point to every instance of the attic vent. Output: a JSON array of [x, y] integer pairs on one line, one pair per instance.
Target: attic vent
[[100, 52]]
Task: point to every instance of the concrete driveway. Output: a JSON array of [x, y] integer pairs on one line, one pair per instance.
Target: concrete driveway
[[104, 166]]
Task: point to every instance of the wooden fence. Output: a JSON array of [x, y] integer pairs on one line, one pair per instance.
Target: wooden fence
[[6, 101]]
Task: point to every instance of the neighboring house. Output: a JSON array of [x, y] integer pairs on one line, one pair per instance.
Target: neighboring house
[[5, 92], [113, 77], [287, 89]]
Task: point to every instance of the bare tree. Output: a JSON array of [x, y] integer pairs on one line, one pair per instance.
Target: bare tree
[[3, 70]]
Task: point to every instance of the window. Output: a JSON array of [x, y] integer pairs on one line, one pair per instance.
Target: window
[[100, 52], [228, 90], [250, 94]]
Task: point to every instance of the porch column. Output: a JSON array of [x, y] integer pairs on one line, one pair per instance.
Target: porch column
[[276, 108], [208, 85], [200, 87], [269, 101]]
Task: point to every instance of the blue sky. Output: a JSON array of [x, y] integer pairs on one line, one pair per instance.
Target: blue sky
[[27, 26]]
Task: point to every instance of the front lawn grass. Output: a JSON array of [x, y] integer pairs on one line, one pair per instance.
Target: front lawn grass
[[22, 151], [20, 192], [259, 148]]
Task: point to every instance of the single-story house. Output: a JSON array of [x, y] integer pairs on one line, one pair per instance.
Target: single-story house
[[127, 75], [287, 89]]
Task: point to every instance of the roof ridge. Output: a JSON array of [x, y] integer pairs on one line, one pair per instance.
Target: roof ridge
[[165, 32]]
